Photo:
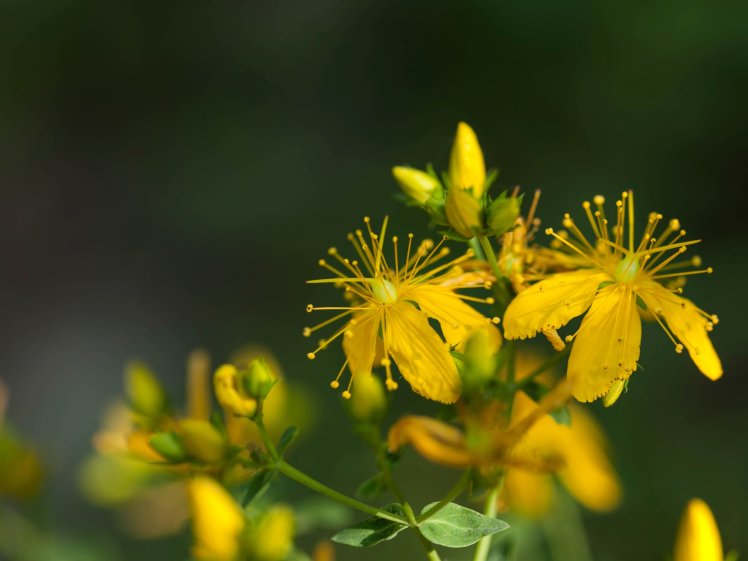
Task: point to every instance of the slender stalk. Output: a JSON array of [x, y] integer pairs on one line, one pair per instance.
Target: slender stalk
[[302, 478], [500, 288], [489, 509], [272, 450], [453, 493]]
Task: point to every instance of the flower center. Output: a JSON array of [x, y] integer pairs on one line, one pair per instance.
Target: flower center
[[383, 290], [627, 269]]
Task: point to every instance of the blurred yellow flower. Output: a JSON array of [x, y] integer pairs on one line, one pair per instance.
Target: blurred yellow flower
[[698, 537], [467, 169], [272, 537], [620, 278], [217, 521], [390, 307], [229, 393], [585, 470]]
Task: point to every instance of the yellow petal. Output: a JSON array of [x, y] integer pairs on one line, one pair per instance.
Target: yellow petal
[[416, 184], [687, 324], [528, 493], [588, 473], [436, 441], [420, 354], [606, 347], [698, 536], [216, 521], [551, 303], [466, 166], [456, 318], [360, 342]]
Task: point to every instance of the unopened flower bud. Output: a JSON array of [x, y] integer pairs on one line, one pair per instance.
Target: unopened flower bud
[[259, 379], [202, 441], [480, 361], [368, 400], [230, 393], [272, 539], [217, 521], [463, 212], [467, 169], [698, 536], [144, 392], [168, 445], [502, 213], [416, 184], [614, 392]]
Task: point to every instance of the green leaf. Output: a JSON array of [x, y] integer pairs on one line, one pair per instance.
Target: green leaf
[[457, 526], [257, 485], [372, 488], [372, 530], [288, 436]]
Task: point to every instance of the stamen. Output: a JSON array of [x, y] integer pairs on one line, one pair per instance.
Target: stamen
[[707, 271], [533, 206]]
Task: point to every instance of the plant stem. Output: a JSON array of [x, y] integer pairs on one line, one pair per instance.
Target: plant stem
[[489, 509], [302, 478], [448, 498], [272, 450], [500, 288]]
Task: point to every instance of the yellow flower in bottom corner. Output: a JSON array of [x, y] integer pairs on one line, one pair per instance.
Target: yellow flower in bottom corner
[[390, 305], [698, 536], [621, 281], [217, 521], [272, 538]]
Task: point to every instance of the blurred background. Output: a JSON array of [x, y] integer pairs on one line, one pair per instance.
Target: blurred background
[[171, 173]]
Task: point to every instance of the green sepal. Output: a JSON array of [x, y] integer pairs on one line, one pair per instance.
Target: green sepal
[[288, 436], [457, 526], [502, 213], [169, 445], [258, 485], [372, 530]]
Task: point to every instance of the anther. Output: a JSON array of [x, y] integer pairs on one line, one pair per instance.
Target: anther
[[335, 384], [321, 262], [679, 348], [490, 300], [549, 231], [311, 356], [599, 200], [367, 219], [586, 205], [346, 394], [307, 331], [309, 308], [495, 320], [709, 271], [674, 224], [385, 362], [332, 251], [696, 261]]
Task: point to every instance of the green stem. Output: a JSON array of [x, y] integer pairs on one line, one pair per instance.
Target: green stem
[[302, 478], [448, 498], [272, 450], [489, 509], [500, 289]]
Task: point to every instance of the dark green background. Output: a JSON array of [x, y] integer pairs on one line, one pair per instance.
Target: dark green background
[[170, 173]]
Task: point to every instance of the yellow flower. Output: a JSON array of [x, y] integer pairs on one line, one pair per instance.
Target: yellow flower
[[217, 521], [467, 169], [416, 184], [585, 471], [487, 442], [698, 536], [390, 307], [620, 279], [272, 538]]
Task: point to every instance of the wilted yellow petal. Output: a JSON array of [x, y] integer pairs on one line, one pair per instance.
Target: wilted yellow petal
[[698, 536], [688, 325], [422, 357], [216, 521], [230, 395], [436, 441], [606, 347], [528, 493], [466, 166], [551, 303]]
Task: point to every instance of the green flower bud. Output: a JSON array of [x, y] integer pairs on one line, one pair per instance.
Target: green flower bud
[[169, 445], [258, 379], [368, 400], [479, 361], [202, 441], [502, 214], [417, 185], [614, 392], [144, 392], [463, 212]]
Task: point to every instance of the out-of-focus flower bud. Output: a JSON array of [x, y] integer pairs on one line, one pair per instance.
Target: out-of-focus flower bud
[[614, 393], [217, 521], [259, 379], [480, 361], [230, 392], [144, 392], [272, 539], [417, 185], [502, 213], [467, 169], [21, 471], [368, 400], [698, 536], [324, 551], [463, 212], [168, 445], [202, 441]]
